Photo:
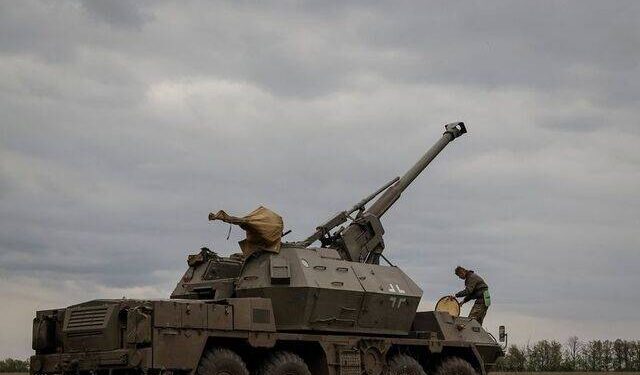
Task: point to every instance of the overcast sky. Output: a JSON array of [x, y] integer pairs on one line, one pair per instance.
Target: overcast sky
[[124, 123]]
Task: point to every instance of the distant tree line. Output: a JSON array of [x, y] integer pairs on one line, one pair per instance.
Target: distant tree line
[[14, 365], [574, 355]]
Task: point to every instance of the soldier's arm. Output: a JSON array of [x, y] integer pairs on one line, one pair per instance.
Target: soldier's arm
[[467, 292], [474, 289]]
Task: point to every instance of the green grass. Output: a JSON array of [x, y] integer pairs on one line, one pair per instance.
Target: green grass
[[564, 373], [493, 373]]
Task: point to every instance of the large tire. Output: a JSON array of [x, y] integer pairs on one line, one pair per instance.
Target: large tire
[[402, 364], [456, 366], [220, 361], [284, 363]]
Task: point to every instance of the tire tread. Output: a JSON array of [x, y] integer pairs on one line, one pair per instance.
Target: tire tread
[[456, 366], [403, 361], [213, 356], [279, 359]]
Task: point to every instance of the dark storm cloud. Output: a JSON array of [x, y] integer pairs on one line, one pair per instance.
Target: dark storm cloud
[[125, 13], [124, 123]]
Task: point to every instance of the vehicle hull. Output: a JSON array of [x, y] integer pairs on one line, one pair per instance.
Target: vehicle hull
[[173, 335]]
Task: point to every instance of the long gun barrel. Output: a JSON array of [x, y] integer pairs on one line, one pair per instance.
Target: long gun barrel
[[362, 240], [342, 216], [360, 205], [380, 206]]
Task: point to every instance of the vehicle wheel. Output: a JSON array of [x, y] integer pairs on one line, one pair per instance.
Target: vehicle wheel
[[403, 364], [220, 361], [284, 363], [456, 366]]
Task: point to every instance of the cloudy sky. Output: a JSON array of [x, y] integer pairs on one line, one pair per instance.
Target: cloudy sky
[[125, 122]]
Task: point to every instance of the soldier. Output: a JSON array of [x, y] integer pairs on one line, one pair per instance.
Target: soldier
[[476, 289]]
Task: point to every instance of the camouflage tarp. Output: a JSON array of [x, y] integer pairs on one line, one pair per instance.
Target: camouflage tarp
[[263, 228]]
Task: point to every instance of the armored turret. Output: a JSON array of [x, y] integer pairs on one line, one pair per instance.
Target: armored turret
[[340, 285]]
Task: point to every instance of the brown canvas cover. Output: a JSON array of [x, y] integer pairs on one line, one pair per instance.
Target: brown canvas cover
[[262, 226]]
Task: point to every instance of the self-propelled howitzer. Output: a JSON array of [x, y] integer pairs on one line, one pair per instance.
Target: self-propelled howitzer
[[277, 308]]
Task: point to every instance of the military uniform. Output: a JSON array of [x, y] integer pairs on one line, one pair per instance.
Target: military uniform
[[476, 288]]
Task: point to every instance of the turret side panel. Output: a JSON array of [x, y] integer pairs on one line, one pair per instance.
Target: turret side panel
[[391, 298], [327, 294]]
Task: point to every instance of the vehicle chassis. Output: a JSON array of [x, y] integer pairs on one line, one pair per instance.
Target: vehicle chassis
[[171, 336]]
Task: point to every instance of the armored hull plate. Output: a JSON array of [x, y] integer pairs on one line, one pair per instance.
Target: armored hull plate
[[312, 289]]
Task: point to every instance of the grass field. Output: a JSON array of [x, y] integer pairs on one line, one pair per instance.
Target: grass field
[[563, 373], [493, 373]]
